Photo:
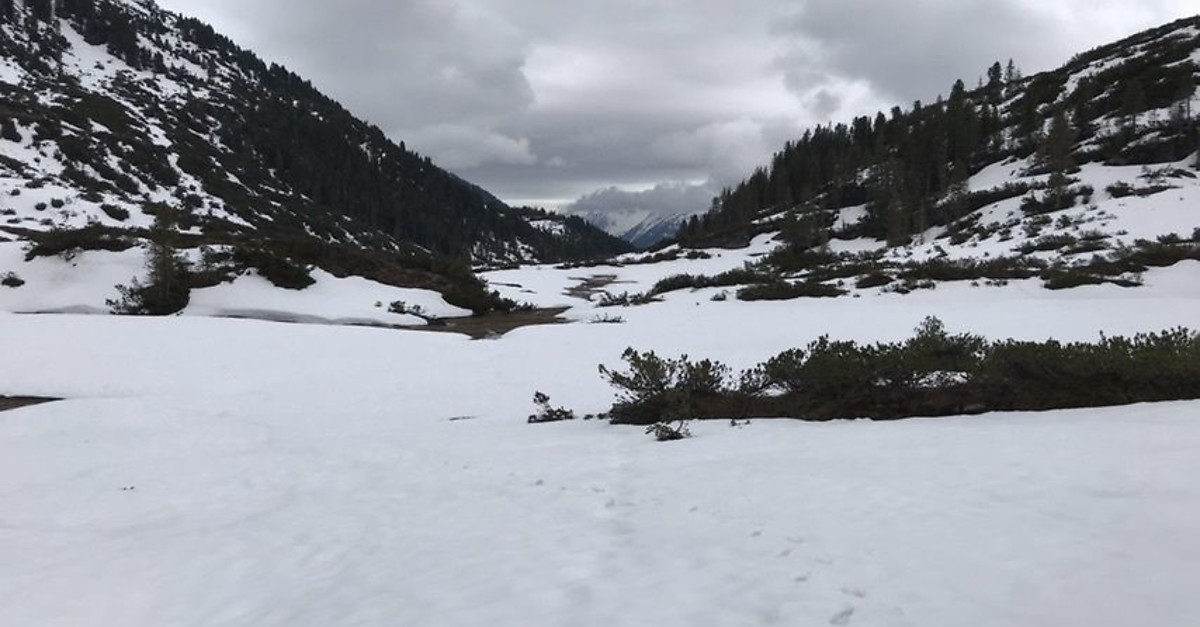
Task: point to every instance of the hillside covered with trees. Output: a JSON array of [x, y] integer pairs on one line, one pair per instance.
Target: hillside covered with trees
[[1128, 103]]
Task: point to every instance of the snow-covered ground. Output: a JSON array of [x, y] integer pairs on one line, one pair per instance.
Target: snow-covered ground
[[83, 283], [209, 471]]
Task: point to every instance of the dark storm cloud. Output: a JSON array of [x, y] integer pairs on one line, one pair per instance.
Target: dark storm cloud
[[543, 101]]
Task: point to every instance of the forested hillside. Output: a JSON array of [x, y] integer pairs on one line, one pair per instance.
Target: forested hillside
[[1128, 103], [111, 106]]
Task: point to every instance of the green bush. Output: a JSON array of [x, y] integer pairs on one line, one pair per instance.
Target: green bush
[[653, 389], [69, 242], [669, 431], [10, 279], [546, 413], [120, 214], [737, 276], [932, 373], [780, 289], [874, 279], [281, 271]]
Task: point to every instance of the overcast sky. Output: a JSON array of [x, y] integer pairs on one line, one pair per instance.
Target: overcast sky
[[544, 101]]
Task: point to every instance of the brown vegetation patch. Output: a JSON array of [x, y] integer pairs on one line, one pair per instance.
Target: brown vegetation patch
[[590, 286], [493, 325]]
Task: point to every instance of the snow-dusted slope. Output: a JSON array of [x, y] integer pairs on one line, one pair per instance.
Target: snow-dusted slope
[[643, 228]]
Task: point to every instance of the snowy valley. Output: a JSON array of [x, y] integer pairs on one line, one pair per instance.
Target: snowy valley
[[341, 452]]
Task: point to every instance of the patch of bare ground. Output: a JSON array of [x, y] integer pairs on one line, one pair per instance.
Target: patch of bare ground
[[14, 402], [590, 286], [493, 325]]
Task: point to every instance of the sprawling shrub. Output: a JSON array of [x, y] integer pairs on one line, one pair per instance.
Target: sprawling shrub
[[932, 373], [788, 290], [69, 242]]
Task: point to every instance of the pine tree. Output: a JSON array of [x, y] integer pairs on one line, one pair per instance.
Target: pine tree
[[1185, 91], [166, 288], [1011, 73], [1133, 103], [43, 10], [1057, 155], [995, 82]]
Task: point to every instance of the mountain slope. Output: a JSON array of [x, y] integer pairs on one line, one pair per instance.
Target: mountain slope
[[643, 228], [1052, 164], [110, 106]]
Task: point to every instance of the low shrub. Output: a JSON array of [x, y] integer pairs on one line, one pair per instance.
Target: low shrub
[[546, 413], [787, 290], [401, 307], [874, 279], [281, 271], [737, 276], [120, 214], [1122, 189], [69, 242], [625, 299], [932, 373], [669, 431], [10, 279], [1047, 243]]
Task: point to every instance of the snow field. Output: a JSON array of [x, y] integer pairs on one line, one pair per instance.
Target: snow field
[[239, 472]]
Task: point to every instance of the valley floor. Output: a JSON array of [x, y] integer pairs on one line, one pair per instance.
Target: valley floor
[[236, 472]]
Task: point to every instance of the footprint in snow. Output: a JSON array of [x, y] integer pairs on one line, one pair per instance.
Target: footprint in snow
[[854, 592], [842, 617]]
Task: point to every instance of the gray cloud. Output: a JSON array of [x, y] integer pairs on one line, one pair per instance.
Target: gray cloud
[[915, 50], [542, 101], [909, 50], [666, 198]]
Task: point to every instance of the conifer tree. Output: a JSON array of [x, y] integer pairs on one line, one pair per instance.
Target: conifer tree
[[1057, 155], [1133, 103], [1185, 91], [166, 289], [995, 82], [43, 10]]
